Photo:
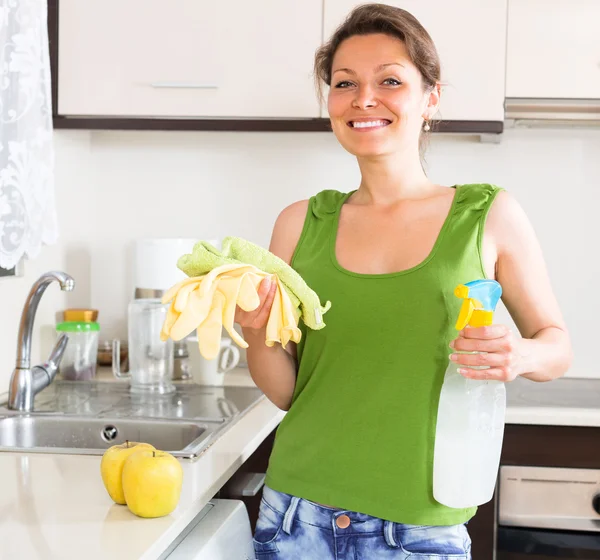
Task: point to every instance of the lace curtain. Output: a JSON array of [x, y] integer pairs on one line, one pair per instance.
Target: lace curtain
[[27, 210]]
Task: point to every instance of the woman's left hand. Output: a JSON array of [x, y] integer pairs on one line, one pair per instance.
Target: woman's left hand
[[501, 353]]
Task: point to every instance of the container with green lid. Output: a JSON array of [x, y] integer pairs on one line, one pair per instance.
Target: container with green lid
[[80, 357]]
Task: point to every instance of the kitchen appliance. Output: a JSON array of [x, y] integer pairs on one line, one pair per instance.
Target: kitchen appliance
[[150, 358], [155, 265], [548, 513], [221, 531], [155, 271]]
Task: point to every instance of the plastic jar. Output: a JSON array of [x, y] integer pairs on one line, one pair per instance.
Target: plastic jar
[[79, 360]]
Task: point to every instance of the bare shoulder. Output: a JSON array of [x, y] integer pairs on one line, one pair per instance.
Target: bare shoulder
[[507, 223], [288, 229]]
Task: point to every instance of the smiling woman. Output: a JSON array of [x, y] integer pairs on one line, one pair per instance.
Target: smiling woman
[[368, 95], [351, 473], [408, 75]]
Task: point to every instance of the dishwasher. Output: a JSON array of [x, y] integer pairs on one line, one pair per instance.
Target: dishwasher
[[221, 531], [548, 513]]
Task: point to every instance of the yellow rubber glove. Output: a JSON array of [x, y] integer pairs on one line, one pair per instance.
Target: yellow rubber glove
[[236, 251], [282, 325], [208, 303], [192, 300]]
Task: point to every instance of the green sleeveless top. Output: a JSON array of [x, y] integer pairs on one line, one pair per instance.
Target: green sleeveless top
[[360, 432]]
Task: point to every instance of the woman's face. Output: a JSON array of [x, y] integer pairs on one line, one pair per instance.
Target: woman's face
[[377, 101]]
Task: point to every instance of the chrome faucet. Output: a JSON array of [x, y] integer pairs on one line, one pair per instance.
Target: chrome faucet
[[26, 381]]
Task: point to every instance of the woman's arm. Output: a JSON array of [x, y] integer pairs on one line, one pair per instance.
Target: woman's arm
[[274, 369], [544, 353]]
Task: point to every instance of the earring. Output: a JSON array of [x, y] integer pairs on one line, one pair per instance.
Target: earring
[[426, 126]]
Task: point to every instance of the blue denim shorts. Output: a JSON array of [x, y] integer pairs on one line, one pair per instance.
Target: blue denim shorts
[[291, 528]]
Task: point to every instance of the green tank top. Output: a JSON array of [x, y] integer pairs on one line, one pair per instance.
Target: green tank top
[[361, 428]]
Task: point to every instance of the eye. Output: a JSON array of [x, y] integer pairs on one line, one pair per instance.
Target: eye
[[344, 84], [392, 82]]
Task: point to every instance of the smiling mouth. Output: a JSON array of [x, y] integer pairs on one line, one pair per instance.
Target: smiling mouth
[[369, 125]]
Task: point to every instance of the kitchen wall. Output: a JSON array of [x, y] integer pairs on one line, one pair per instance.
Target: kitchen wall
[[113, 187]]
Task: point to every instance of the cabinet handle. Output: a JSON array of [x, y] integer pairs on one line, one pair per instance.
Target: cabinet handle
[[244, 484], [183, 85]]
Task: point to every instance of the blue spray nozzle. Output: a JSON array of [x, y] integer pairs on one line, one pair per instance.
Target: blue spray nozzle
[[486, 292], [480, 298]]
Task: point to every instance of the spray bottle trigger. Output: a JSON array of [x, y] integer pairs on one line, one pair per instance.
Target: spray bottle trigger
[[464, 316]]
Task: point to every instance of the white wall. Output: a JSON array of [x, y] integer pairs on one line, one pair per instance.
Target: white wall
[[113, 187]]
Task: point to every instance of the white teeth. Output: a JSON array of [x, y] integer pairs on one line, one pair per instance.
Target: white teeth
[[368, 124]]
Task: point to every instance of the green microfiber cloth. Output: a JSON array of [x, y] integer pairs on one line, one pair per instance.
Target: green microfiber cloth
[[235, 250]]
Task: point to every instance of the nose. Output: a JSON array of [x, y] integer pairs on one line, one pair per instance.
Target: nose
[[365, 98]]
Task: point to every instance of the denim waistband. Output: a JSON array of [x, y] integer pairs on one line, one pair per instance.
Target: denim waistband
[[325, 517]]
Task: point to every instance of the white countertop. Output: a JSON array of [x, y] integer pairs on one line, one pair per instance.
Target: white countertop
[[562, 402], [55, 506]]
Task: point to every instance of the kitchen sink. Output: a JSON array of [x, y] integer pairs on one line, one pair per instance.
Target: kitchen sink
[[86, 418], [93, 436]]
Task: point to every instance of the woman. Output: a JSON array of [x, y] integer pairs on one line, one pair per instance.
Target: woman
[[351, 471]]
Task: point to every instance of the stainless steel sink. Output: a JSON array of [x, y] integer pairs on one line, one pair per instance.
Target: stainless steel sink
[[92, 436], [86, 418], [44, 415]]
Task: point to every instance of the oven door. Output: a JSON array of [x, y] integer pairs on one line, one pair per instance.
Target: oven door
[[534, 544], [548, 513]]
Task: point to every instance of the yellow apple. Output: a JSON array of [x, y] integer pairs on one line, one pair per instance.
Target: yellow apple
[[111, 467], [152, 483]]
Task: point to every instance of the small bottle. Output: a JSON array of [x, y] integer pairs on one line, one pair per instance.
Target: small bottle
[[471, 412], [81, 354]]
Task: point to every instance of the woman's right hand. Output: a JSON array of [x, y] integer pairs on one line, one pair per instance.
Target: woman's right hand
[[258, 318]]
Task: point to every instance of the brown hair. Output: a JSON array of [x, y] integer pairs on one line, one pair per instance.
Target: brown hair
[[381, 18]]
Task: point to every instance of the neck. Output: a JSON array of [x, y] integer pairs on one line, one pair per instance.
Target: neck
[[391, 178]]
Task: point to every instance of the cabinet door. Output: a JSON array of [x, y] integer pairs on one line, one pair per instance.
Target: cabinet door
[[188, 58], [553, 49], [470, 36]]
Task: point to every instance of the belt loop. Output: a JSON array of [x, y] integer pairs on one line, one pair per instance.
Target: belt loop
[[389, 532], [289, 515]]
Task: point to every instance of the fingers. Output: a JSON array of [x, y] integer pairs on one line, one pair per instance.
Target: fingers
[[489, 332], [265, 287], [258, 318], [267, 295], [493, 348], [494, 338], [491, 359], [503, 344], [490, 374]]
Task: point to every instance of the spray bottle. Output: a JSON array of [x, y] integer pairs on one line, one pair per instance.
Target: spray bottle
[[470, 421]]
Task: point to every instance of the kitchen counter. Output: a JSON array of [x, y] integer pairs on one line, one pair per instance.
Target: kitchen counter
[[562, 402], [55, 506]]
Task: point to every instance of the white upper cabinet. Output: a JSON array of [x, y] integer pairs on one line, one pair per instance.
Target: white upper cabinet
[[553, 49], [188, 58], [470, 36]]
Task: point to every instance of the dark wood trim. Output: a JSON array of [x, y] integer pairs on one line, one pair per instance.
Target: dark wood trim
[[53, 46], [482, 530], [551, 446], [241, 125], [249, 125], [468, 127], [185, 124]]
